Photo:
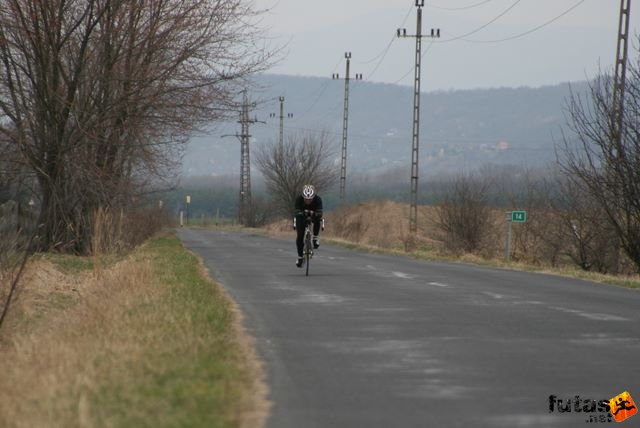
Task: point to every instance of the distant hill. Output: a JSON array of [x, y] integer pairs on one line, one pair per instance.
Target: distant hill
[[459, 129]]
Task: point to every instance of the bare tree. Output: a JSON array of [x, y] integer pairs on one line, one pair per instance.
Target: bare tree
[[464, 215], [608, 168], [289, 166], [571, 223], [99, 95]]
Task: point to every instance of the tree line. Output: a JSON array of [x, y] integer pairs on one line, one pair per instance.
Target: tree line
[[588, 206], [98, 98]]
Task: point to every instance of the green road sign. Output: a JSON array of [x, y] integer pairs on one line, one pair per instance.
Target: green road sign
[[519, 216]]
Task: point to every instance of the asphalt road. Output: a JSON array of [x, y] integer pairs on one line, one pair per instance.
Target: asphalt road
[[385, 341]]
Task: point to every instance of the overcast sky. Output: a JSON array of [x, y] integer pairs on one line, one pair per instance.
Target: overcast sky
[[483, 43]]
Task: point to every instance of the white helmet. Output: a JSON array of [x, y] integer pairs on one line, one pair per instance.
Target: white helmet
[[308, 191]]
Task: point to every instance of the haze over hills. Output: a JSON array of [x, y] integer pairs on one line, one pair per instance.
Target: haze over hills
[[460, 130]]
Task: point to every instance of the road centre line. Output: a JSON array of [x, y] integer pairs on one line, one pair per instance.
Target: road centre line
[[402, 275], [590, 315], [438, 284]]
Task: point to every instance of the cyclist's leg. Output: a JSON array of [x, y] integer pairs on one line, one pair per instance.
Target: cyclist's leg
[[316, 230], [317, 221], [299, 235]]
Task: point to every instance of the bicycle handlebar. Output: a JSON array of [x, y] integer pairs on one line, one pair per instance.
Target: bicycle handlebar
[[307, 214]]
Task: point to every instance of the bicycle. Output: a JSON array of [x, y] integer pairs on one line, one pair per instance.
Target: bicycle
[[307, 252]]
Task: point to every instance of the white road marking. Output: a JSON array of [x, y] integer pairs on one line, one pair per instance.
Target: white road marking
[[494, 295], [605, 339], [402, 275], [438, 284], [315, 298], [589, 315], [603, 317]]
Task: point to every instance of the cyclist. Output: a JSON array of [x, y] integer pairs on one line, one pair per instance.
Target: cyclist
[[307, 203]]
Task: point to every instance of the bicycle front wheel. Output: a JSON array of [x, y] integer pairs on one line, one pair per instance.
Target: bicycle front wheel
[[307, 255]]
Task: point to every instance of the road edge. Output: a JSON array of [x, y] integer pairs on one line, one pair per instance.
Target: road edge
[[256, 405]]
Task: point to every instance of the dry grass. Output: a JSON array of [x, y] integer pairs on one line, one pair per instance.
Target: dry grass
[[384, 224], [53, 352], [118, 231], [147, 341]]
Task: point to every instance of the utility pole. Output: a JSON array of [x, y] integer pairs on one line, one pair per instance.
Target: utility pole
[[620, 72], [402, 32], [289, 115], [345, 122], [617, 122], [245, 164]]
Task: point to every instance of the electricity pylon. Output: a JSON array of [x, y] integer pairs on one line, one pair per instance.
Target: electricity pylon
[[413, 211], [620, 72], [289, 115], [245, 164], [345, 122]]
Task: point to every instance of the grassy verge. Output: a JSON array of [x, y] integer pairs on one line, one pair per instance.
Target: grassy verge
[[146, 342]]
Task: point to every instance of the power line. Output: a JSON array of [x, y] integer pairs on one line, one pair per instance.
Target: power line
[[482, 27], [463, 37], [455, 38], [382, 55], [384, 52], [323, 88], [459, 8], [552, 20], [411, 71]]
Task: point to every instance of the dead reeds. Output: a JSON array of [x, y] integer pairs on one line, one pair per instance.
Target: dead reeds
[[147, 340]]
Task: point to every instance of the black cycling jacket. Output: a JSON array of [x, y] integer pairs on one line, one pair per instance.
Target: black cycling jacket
[[315, 205]]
